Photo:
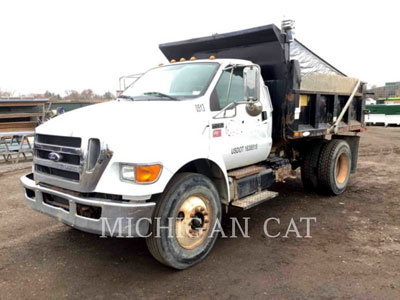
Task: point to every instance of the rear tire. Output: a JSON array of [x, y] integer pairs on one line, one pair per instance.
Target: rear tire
[[309, 167], [334, 167], [186, 242]]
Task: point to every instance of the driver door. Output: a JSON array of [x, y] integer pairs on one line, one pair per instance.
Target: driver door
[[240, 138]]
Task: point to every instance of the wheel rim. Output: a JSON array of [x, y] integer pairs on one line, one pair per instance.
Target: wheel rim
[[192, 222], [342, 168]]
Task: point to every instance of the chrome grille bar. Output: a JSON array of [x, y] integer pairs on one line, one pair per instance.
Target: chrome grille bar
[[60, 149], [58, 165]]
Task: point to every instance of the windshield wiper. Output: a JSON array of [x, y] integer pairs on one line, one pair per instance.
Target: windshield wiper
[[158, 94], [126, 97]]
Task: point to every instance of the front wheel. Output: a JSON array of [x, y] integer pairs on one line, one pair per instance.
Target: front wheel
[[183, 222]]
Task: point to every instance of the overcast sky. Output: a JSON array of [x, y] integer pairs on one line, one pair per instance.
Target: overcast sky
[[63, 45]]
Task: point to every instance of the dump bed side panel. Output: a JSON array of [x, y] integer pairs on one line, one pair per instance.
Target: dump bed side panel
[[316, 111]]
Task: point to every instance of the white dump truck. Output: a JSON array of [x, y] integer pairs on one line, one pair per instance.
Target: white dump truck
[[228, 116]]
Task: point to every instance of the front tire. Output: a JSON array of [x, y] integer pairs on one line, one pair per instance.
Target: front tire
[[334, 167], [185, 214]]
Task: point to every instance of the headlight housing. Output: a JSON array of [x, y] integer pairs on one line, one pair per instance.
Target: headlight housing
[[144, 174]]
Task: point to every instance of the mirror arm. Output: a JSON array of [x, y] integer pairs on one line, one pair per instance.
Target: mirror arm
[[227, 107]]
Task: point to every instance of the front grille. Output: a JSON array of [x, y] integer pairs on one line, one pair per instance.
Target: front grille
[[59, 156], [70, 162]]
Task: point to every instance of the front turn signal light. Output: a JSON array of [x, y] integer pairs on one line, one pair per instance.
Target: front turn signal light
[[148, 173]]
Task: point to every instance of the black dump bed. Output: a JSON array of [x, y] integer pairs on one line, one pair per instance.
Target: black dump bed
[[307, 92]]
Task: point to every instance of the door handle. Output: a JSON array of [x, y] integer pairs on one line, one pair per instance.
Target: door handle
[[264, 115]]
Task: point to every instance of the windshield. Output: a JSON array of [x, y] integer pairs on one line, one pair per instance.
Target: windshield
[[173, 82]]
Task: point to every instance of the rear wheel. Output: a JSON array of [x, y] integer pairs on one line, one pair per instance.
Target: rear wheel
[[309, 167], [334, 167], [182, 226]]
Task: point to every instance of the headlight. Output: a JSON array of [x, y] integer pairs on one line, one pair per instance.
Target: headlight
[[128, 172], [140, 173]]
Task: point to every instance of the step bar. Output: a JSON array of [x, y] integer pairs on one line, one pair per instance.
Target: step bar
[[255, 199]]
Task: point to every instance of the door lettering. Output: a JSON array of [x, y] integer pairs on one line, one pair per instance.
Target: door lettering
[[240, 149]]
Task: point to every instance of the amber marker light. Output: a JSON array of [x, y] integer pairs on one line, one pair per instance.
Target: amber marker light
[[298, 134], [173, 61], [193, 58], [182, 59], [147, 173], [212, 57]]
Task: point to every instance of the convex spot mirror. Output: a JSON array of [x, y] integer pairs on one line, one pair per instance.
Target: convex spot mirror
[[251, 77]]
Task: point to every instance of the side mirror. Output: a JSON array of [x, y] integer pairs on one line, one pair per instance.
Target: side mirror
[[251, 77]]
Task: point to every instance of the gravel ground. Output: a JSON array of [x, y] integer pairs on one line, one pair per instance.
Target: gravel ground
[[354, 252]]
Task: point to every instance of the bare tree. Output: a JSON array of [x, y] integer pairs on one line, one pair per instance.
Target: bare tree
[[6, 94]]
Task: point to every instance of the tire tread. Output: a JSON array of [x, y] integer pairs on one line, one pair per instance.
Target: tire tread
[[309, 174], [152, 242], [324, 166]]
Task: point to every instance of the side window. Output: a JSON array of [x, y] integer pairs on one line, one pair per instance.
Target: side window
[[220, 97]]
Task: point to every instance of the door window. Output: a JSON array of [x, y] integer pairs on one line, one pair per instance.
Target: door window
[[220, 97]]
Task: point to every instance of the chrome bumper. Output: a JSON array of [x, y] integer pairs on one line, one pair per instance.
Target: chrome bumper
[[117, 218]]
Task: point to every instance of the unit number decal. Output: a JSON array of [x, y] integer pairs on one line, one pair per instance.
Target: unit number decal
[[200, 107]]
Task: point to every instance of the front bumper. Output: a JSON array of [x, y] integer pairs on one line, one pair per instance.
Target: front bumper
[[118, 218]]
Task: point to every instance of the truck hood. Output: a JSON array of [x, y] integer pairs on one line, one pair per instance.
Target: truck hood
[[144, 121]]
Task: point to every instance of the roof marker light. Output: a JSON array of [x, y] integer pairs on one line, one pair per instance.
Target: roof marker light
[[173, 61], [160, 65], [212, 57], [193, 58], [182, 59]]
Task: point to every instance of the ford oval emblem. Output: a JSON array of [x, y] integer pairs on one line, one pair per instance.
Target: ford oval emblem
[[54, 156]]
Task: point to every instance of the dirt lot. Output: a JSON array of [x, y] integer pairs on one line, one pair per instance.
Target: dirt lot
[[354, 252]]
